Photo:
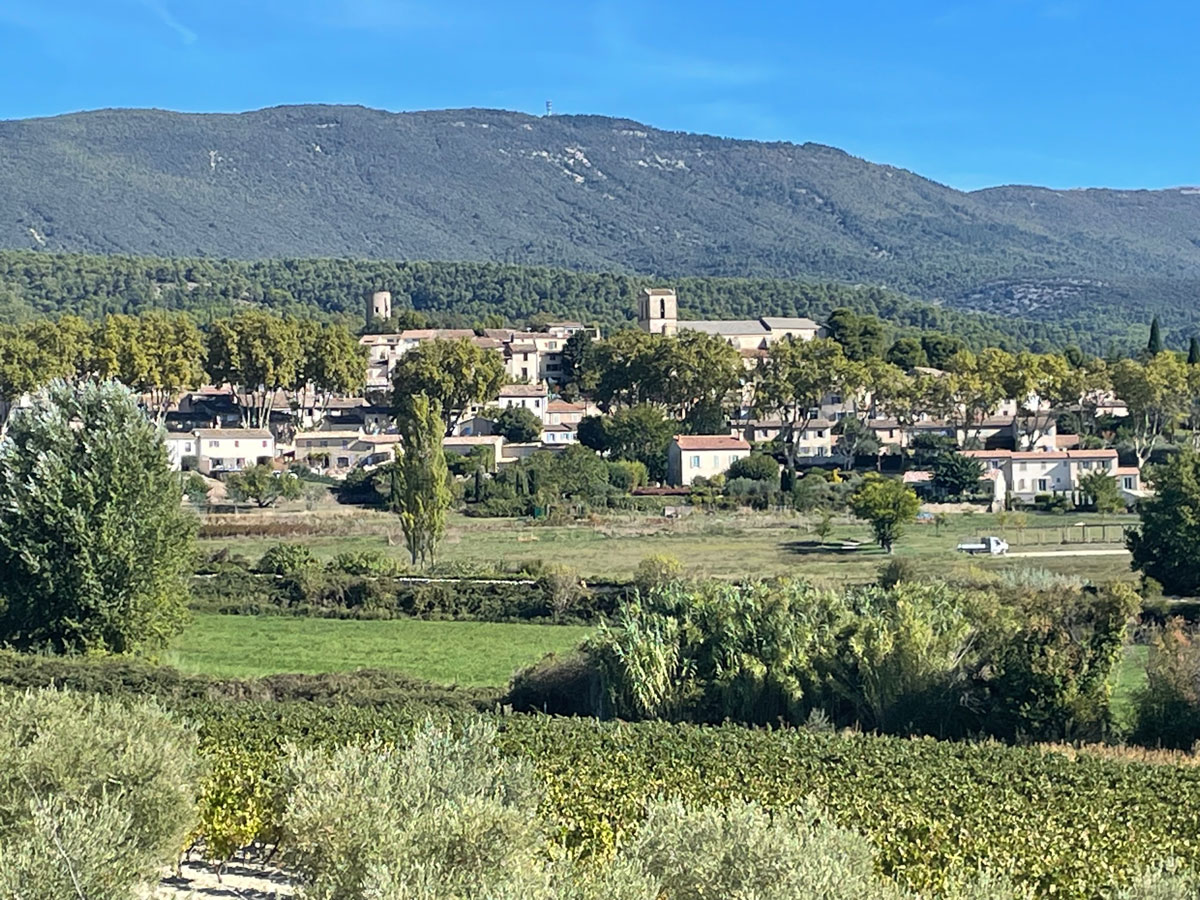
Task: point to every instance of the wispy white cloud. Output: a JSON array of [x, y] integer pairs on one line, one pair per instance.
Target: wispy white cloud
[[159, 8]]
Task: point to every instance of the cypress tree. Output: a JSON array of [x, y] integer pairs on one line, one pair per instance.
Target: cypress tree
[[1155, 345], [1194, 352]]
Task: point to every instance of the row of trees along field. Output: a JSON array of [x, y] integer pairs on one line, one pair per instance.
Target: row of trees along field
[[160, 355], [463, 295]]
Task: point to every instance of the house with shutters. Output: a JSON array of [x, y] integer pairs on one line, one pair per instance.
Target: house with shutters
[[232, 449], [1027, 474], [692, 456]]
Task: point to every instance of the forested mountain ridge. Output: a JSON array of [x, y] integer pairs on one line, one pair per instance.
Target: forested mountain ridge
[[581, 192], [465, 294]]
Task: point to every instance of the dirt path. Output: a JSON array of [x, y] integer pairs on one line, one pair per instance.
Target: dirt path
[[239, 881], [1046, 554]]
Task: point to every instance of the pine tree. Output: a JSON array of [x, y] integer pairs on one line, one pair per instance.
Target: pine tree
[[1155, 345], [1194, 352]]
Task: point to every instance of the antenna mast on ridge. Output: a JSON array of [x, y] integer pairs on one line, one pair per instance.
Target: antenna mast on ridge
[[549, 109]]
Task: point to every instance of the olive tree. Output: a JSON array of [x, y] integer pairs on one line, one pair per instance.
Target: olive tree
[[888, 504], [95, 545]]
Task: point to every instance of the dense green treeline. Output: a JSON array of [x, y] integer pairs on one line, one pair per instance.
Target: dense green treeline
[[459, 294]]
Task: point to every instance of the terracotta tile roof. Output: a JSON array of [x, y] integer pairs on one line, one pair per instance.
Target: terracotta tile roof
[[466, 439], [523, 390], [562, 406], [1037, 455], [344, 435], [222, 433], [710, 442]]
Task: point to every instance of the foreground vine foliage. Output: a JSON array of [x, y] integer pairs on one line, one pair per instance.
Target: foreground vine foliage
[[1071, 826]]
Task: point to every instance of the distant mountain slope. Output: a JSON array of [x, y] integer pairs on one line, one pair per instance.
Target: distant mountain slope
[[583, 192]]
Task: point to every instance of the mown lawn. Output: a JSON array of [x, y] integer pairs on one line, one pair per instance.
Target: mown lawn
[[464, 653]]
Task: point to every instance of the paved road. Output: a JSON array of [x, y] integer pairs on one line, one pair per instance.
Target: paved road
[[1031, 554]]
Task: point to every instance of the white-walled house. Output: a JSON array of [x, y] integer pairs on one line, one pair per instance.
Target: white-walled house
[[692, 456], [345, 449], [1027, 474], [533, 397], [180, 446], [231, 449], [558, 435], [815, 441]]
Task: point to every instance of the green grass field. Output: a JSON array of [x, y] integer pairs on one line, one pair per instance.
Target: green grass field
[[472, 654], [463, 653], [727, 545]]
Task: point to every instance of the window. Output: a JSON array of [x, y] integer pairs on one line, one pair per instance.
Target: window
[[1021, 485], [213, 443], [345, 445], [553, 345], [237, 443], [1127, 482], [1085, 464], [1021, 466], [324, 443], [695, 462], [1041, 484], [264, 443]]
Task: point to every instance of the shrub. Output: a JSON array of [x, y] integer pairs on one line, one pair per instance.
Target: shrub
[[740, 850], [1169, 881], [364, 562], [1047, 675], [286, 559], [756, 467], [195, 488], [565, 592], [656, 571], [443, 817], [625, 475], [500, 508], [1168, 706], [567, 685], [96, 795], [895, 571]]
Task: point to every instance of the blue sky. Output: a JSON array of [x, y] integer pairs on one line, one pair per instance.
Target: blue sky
[[1064, 93]]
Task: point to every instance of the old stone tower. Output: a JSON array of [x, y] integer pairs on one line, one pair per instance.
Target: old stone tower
[[658, 311], [379, 306]]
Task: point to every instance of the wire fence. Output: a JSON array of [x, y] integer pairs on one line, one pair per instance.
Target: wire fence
[[1079, 533]]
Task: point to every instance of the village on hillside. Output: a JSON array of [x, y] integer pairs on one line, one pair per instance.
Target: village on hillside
[[1024, 457]]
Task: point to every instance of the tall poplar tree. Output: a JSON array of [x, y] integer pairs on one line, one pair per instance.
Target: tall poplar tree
[[420, 488]]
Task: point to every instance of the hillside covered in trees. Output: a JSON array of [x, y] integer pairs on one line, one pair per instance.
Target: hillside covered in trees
[[587, 193], [473, 294]]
